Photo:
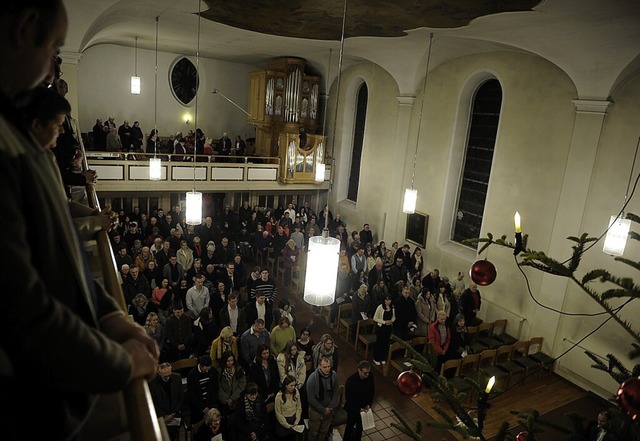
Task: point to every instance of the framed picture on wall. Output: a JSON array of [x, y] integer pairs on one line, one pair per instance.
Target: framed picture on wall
[[416, 231]]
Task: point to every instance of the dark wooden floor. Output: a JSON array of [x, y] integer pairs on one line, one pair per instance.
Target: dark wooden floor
[[544, 394]]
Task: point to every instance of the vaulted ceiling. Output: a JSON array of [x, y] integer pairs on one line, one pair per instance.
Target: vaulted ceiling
[[595, 42]]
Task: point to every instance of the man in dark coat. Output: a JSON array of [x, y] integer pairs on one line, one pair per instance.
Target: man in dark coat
[[358, 392]]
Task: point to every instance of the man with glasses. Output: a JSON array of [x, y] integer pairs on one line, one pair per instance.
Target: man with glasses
[[359, 391]]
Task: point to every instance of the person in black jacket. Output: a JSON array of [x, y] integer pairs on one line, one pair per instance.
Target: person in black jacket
[[167, 394], [359, 392], [202, 389]]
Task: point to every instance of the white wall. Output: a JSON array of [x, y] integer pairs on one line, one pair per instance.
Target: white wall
[[539, 130], [104, 73]]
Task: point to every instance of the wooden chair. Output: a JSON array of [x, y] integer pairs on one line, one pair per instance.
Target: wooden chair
[[510, 366], [535, 353], [484, 332], [500, 332], [365, 333], [473, 334], [397, 356], [183, 366], [469, 368], [486, 366], [419, 344], [339, 414], [450, 369], [520, 356], [297, 273], [344, 319]]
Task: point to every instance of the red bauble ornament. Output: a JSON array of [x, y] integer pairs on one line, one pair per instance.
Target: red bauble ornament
[[522, 436], [629, 397], [483, 272], [409, 383]]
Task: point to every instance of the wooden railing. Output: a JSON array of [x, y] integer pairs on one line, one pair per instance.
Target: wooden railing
[[141, 417]]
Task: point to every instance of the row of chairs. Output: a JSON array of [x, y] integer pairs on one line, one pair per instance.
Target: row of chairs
[[490, 335], [509, 364], [272, 260]]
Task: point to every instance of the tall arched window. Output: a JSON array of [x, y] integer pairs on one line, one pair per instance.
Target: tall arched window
[[481, 141], [358, 140]]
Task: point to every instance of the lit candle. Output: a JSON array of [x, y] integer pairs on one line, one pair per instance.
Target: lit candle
[[516, 219], [490, 384]]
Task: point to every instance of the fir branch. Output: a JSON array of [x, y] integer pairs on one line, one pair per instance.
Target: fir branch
[[404, 427], [633, 218], [444, 415], [632, 263]]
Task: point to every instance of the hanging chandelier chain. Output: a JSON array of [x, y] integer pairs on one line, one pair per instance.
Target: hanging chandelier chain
[[424, 92]]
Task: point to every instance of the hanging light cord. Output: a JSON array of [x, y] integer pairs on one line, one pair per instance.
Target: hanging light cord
[[135, 62], [627, 199], [633, 166], [324, 118], [424, 92], [195, 118], [155, 96], [335, 115]]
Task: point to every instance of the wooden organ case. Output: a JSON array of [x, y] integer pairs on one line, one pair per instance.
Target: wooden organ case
[[284, 104]]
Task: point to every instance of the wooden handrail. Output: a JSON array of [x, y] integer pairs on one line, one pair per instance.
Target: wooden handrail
[[177, 157], [141, 415]]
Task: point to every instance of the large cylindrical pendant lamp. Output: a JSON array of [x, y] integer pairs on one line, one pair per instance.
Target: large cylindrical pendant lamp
[[155, 169], [320, 168], [410, 200], [322, 269], [616, 238], [135, 85], [194, 208]]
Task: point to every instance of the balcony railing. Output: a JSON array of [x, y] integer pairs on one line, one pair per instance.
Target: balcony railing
[[126, 171]]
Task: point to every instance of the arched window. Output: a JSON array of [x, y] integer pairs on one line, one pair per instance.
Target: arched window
[[481, 141], [358, 140]]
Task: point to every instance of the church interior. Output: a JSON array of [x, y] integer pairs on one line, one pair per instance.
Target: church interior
[[485, 108]]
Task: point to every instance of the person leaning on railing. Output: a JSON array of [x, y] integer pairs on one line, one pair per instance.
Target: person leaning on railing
[[54, 318]]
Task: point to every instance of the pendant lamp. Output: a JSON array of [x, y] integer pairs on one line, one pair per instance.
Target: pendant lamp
[[194, 198], [324, 252], [411, 194]]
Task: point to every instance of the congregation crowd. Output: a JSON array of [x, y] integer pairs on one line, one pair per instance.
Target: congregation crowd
[[194, 293], [108, 136]]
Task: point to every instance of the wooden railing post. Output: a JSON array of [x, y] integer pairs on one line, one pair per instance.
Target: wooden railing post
[[141, 415]]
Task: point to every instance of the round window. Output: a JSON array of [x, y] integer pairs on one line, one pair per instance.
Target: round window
[[184, 81]]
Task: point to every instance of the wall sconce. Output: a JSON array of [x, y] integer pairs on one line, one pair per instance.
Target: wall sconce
[[135, 79], [411, 194]]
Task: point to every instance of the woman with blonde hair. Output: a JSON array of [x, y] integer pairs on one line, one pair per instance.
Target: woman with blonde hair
[[155, 329], [213, 426]]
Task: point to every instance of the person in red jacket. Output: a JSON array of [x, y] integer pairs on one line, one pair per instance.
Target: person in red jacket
[[440, 337]]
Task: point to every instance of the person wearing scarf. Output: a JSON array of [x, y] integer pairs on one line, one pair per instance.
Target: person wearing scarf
[[251, 415], [231, 383], [226, 342]]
